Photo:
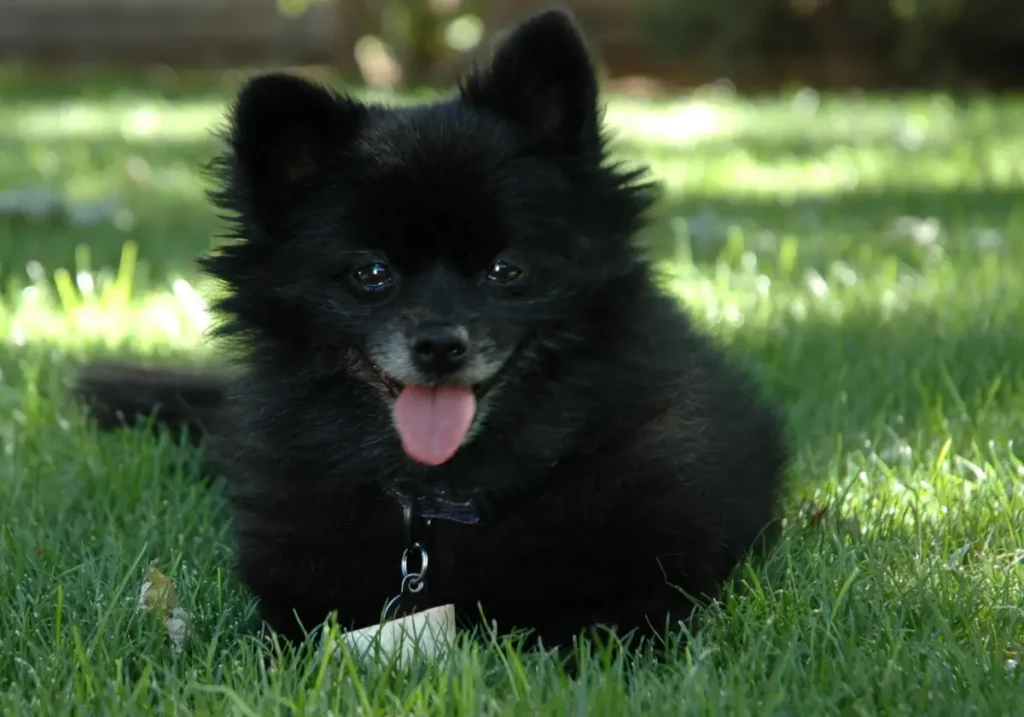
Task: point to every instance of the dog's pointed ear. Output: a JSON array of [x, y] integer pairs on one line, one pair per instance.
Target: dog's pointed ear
[[542, 79], [284, 131]]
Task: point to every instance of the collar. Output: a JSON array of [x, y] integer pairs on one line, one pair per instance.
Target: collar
[[436, 505]]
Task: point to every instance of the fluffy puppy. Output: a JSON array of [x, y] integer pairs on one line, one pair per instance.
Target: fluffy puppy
[[446, 336]]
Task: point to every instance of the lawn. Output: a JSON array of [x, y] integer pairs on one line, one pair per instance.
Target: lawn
[[865, 255]]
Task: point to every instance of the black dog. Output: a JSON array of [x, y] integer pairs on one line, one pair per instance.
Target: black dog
[[446, 336]]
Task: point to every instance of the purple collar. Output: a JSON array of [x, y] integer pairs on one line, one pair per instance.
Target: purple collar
[[435, 505]]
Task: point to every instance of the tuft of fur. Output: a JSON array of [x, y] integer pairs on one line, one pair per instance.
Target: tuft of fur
[[620, 465]]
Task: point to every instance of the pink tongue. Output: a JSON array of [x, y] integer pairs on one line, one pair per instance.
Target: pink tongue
[[432, 422]]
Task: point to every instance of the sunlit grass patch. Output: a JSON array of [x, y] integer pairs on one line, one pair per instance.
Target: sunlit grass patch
[[102, 308]]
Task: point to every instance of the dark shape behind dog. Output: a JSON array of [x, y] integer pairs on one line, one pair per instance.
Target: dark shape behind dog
[[442, 307]]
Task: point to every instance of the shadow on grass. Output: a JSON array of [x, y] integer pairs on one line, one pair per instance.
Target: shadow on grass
[[907, 382], [61, 194], [854, 225], [867, 231]]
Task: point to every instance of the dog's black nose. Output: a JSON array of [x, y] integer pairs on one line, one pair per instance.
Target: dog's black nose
[[439, 349]]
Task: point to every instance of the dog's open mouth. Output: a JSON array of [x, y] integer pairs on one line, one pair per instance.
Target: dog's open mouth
[[394, 386], [432, 421]]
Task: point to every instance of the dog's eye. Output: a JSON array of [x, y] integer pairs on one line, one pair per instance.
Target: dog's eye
[[503, 272], [372, 277]]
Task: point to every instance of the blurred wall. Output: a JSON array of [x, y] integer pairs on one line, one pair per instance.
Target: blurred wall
[[175, 32], [758, 44], [233, 32]]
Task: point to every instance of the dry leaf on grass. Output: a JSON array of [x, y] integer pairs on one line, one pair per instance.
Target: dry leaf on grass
[[820, 515], [813, 513], [158, 593], [1011, 661]]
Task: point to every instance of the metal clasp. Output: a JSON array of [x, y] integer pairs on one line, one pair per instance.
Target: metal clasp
[[413, 581]]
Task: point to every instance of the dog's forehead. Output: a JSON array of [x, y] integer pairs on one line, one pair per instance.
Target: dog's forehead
[[440, 185]]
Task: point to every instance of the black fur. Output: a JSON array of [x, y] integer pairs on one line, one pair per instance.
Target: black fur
[[623, 464]]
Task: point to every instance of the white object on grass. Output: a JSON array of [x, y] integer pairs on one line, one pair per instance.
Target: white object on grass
[[426, 634]]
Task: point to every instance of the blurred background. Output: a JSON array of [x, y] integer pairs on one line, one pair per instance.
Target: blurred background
[[837, 139], [757, 44]]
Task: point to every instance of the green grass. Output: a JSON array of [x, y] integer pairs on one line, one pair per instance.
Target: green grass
[[865, 255]]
